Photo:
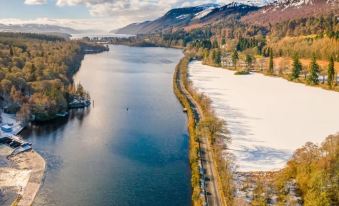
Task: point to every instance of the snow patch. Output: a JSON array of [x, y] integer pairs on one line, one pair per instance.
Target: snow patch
[[207, 8], [268, 118], [202, 14], [183, 16]]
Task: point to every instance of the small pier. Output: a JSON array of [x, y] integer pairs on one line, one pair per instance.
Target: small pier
[[16, 143], [79, 103]]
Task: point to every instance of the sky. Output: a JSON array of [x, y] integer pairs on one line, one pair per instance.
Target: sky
[[103, 15]]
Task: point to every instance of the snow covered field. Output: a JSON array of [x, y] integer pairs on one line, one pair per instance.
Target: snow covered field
[[268, 118]]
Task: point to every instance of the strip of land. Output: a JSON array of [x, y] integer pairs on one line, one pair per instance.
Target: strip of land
[[210, 188]]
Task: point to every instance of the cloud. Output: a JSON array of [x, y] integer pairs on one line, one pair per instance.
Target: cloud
[[141, 8], [35, 2]]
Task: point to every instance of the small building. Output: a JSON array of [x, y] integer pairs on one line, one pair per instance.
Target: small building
[[76, 103], [6, 128]]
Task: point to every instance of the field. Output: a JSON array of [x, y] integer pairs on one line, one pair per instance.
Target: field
[[267, 117]]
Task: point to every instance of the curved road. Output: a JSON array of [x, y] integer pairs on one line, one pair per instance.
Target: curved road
[[212, 195]]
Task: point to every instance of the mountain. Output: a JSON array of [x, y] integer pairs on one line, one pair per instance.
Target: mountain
[[283, 10], [37, 28], [188, 16]]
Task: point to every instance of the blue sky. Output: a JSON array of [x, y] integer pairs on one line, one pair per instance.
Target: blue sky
[[90, 14]]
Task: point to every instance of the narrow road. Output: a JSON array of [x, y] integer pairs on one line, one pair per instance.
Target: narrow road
[[212, 196]]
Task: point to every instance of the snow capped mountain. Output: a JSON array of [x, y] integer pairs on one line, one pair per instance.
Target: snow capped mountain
[[296, 4], [283, 10], [270, 12], [284, 4], [186, 16], [251, 2]]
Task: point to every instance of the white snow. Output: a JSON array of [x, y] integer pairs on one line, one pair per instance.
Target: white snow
[[203, 13], [207, 8], [268, 118], [183, 16]]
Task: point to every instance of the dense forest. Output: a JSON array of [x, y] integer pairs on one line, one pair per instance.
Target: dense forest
[[36, 74]]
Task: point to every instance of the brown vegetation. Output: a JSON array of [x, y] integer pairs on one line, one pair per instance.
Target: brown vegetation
[[275, 13], [315, 170]]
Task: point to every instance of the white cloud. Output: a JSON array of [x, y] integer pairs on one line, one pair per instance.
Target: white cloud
[[35, 2], [142, 8]]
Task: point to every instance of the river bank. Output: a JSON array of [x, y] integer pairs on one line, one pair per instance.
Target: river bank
[[213, 177], [21, 174], [36, 165]]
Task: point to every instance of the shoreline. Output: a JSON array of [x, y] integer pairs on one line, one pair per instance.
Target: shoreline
[[205, 179], [24, 172], [36, 165]]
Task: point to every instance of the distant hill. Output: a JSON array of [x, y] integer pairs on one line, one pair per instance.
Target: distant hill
[[283, 10], [185, 17], [38, 28]]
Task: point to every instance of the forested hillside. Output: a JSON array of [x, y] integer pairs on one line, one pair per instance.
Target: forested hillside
[[36, 73]]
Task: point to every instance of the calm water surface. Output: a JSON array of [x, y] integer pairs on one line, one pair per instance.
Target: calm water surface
[[107, 155]]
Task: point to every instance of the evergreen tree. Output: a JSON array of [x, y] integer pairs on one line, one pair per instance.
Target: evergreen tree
[[297, 67], [217, 57], [212, 56], [215, 44], [223, 41], [11, 52], [330, 72], [313, 78], [249, 61], [206, 54], [235, 58], [270, 66]]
